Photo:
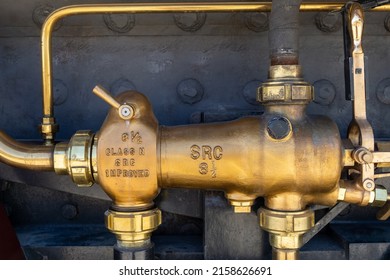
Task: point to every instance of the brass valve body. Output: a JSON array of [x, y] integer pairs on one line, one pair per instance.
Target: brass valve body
[[126, 154], [284, 155]]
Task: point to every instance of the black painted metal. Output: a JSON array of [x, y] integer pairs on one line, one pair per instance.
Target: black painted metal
[[145, 252]]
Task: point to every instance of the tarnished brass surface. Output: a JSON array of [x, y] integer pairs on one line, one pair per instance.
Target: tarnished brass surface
[[34, 157], [286, 230], [132, 227], [49, 128], [126, 154], [285, 85], [74, 158]]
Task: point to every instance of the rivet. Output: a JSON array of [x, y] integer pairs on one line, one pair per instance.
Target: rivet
[[121, 85], [324, 92], [383, 91], [69, 211], [257, 22], [190, 91], [40, 14], [387, 23], [190, 22], [60, 92], [249, 91], [328, 22], [120, 23]]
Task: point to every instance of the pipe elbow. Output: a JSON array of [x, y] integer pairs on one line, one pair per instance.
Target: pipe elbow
[[27, 156]]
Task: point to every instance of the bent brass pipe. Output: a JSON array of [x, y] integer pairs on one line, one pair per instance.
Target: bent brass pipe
[[33, 157], [48, 124]]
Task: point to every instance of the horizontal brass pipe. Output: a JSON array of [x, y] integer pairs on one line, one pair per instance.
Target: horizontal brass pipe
[[48, 26], [28, 156]]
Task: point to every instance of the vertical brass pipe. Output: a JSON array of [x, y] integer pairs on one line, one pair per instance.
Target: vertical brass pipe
[[282, 254]]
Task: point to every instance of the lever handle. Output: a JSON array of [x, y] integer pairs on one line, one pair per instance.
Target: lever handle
[[125, 111], [104, 94], [356, 22]]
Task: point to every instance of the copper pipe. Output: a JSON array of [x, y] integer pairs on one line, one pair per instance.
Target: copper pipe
[[28, 156]]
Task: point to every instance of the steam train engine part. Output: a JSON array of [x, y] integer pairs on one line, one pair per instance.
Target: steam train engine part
[[286, 168]]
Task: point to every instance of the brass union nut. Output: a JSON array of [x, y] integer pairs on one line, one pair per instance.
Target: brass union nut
[[132, 226], [286, 222], [285, 91], [286, 228], [74, 158]]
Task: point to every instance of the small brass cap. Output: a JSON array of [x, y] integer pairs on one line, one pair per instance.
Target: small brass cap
[[133, 226], [241, 206]]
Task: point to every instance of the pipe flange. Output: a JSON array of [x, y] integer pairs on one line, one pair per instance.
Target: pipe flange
[[132, 226]]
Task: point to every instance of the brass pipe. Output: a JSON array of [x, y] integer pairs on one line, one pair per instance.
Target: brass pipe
[[33, 157], [48, 124], [284, 254], [61, 13]]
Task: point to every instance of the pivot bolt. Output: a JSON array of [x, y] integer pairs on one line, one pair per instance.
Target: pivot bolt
[[369, 185], [362, 156], [126, 112]]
